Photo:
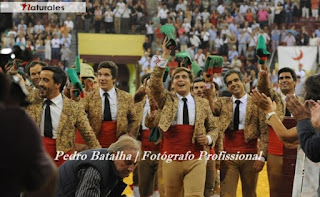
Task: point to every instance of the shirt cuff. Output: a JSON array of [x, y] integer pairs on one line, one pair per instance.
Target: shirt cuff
[[162, 63], [209, 140]]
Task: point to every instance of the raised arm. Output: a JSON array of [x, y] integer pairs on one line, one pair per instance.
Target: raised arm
[[156, 85]]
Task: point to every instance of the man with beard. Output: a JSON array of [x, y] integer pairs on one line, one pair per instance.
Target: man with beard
[[34, 69], [243, 123], [58, 116], [110, 110], [188, 127]]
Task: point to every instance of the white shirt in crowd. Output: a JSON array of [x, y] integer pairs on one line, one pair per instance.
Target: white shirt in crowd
[[55, 43]]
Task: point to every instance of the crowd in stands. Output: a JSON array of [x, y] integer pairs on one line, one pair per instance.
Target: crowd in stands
[[48, 36], [203, 27], [112, 16]]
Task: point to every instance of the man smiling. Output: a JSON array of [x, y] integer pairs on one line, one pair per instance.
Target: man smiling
[[111, 111], [188, 125], [58, 116], [243, 124]]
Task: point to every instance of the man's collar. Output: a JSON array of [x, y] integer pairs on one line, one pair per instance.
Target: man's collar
[[189, 97], [110, 92], [56, 100], [242, 99]]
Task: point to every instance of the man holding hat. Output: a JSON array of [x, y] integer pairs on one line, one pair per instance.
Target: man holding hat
[[188, 127]]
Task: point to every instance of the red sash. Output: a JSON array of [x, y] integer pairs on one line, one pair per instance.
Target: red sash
[[275, 145], [107, 134], [146, 144], [49, 145], [178, 140], [237, 143]]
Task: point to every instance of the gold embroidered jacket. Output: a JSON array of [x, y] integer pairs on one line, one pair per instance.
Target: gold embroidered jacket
[[255, 121], [126, 117], [72, 116], [168, 104]]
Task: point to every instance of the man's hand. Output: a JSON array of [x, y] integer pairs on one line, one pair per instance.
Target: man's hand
[[202, 139], [297, 109], [72, 90], [315, 113], [258, 166], [165, 52], [263, 102]]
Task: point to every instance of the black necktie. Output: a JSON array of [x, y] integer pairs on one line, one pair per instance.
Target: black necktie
[[287, 112], [107, 111], [185, 112], [236, 116], [47, 120]]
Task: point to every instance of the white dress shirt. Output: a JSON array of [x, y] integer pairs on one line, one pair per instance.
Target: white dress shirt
[[146, 110], [191, 110], [55, 111], [113, 100], [242, 109]]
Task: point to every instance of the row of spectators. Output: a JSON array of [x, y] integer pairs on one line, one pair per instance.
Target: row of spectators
[[49, 41]]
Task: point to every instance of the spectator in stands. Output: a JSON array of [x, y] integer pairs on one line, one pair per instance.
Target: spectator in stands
[[289, 40], [200, 58], [232, 53], [125, 21], [315, 8], [263, 17], [275, 38], [313, 41], [236, 63], [303, 37], [47, 47], [163, 14], [38, 27], [288, 8], [277, 13], [97, 19], [55, 47], [305, 5], [69, 23], [108, 21], [65, 56], [88, 16]]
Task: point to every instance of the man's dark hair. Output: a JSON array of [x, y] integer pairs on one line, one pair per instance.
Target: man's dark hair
[[287, 69], [199, 79], [311, 88], [33, 63], [230, 72], [59, 76], [4, 86], [112, 66], [145, 76]]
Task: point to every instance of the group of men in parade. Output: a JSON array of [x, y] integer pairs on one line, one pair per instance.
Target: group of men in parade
[[189, 118]]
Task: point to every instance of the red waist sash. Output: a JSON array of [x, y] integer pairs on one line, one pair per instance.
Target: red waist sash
[[49, 145], [275, 145], [107, 134], [236, 142], [146, 144], [178, 140]]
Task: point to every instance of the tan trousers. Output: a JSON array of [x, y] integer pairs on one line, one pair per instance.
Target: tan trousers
[[148, 180], [275, 176], [210, 178], [230, 172], [184, 178]]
